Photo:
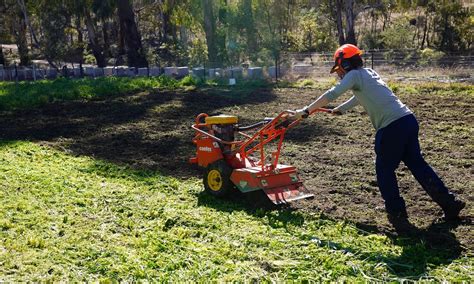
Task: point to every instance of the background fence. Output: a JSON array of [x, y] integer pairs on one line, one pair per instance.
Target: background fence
[[310, 64], [290, 66]]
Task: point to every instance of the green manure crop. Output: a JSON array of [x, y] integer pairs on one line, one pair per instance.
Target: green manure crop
[[66, 218]]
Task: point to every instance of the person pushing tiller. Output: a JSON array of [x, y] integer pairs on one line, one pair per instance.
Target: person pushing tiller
[[396, 139]]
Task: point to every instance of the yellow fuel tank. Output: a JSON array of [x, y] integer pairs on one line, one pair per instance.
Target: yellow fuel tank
[[221, 119]]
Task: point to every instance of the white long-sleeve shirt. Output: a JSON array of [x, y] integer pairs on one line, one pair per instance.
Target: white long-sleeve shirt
[[370, 91]]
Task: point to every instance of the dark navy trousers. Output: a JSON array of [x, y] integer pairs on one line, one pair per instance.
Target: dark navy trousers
[[399, 142]]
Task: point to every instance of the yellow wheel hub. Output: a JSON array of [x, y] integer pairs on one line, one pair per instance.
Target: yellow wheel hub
[[214, 180]]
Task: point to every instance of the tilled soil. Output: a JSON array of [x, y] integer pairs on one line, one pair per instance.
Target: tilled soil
[[334, 154]]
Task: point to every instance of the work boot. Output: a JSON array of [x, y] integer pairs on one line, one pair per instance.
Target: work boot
[[400, 222], [451, 212]]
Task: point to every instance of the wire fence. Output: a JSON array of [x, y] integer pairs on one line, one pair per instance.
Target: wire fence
[[290, 66], [309, 64]]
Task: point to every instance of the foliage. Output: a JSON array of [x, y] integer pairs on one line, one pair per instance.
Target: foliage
[[228, 33], [302, 83], [429, 55], [55, 24], [371, 41], [197, 53], [313, 33], [451, 19], [89, 59], [398, 35]]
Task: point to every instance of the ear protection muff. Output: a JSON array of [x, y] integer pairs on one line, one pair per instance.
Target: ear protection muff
[[345, 64]]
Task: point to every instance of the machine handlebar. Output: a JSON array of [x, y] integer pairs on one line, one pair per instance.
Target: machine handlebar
[[284, 119]]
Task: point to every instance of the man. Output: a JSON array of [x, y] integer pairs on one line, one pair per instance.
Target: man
[[396, 138]]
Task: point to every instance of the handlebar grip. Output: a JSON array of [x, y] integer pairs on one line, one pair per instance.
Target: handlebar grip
[[306, 113]]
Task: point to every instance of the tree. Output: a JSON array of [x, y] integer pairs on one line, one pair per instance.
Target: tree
[[131, 36], [224, 32], [210, 30], [54, 20], [451, 16], [94, 40], [340, 29], [20, 36], [350, 21], [2, 57], [250, 28]]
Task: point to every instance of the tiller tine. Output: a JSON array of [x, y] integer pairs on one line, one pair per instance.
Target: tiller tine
[[288, 193], [281, 185]]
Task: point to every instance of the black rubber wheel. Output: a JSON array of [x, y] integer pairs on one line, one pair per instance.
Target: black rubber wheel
[[217, 179]]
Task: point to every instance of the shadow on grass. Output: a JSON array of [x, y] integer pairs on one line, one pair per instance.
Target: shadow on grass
[[422, 249], [149, 131], [254, 203], [27, 95]]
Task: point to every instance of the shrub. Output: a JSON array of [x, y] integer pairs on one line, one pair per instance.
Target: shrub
[[429, 55], [188, 81], [305, 83]]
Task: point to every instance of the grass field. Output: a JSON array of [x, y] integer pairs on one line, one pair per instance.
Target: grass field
[[81, 201], [32, 94]]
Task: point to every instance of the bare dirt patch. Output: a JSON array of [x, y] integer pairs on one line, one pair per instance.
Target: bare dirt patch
[[334, 155]]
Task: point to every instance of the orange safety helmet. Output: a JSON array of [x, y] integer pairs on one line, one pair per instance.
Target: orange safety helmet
[[345, 51]]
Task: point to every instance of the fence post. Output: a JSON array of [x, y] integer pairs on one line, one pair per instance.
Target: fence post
[[276, 70], [372, 58], [16, 74], [34, 72]]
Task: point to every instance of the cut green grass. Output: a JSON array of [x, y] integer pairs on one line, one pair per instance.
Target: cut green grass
[[76, 218]]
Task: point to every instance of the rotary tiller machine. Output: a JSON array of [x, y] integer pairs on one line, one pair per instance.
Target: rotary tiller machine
[[244, 164]]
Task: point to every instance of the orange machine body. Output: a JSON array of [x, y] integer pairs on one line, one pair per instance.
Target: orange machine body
[[252, 168]]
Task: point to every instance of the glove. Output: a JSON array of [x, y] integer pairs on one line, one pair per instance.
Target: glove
[[336, 112], [301, 113]]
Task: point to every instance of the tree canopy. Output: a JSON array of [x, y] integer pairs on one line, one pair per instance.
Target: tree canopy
[[219, 33]]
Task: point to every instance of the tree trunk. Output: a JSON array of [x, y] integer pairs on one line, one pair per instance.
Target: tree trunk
[[22, 5], [97, 50], [132, 39], [340, 29], [166, 32], [350, 19], [105, 35], [210, 30], [2, 57], [251, 32], [80, 41], [24, 14], [21, 39], [119, 38]]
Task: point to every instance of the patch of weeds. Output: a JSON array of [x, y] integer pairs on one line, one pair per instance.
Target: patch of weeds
[[302, 83], [307, 84], [188, 81]]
